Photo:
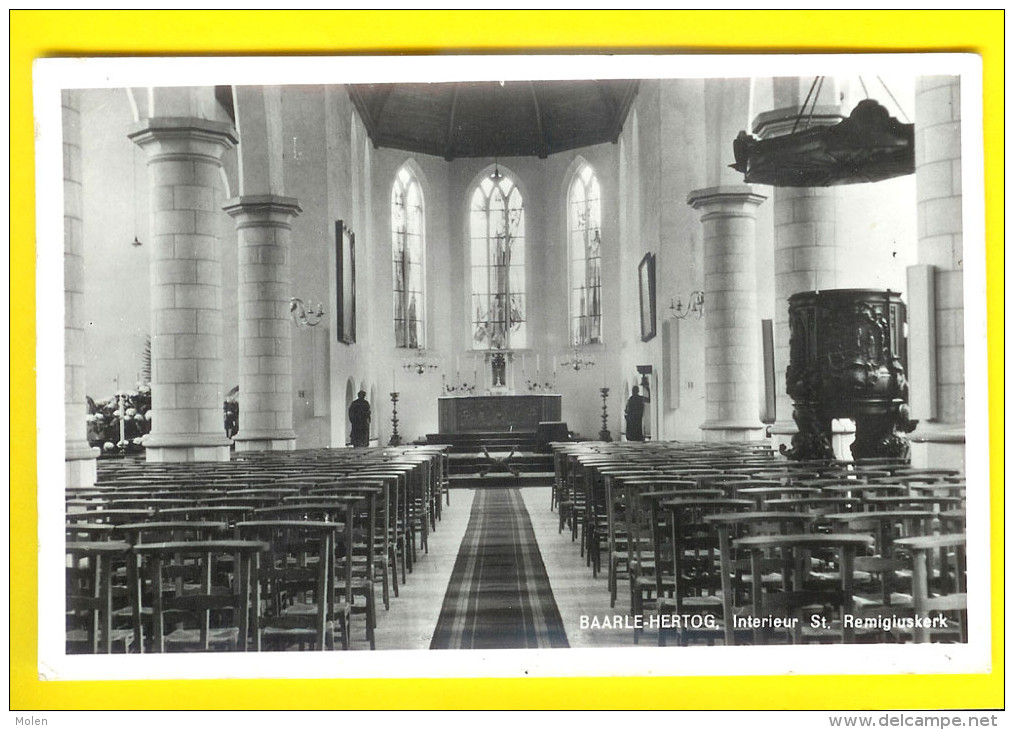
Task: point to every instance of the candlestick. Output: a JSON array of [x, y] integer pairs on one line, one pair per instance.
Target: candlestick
[[395, 437], [604, 434], [122, 404]]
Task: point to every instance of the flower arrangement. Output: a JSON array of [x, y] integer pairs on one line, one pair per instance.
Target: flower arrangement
[[460, 388], [537, 386], [119, 424]]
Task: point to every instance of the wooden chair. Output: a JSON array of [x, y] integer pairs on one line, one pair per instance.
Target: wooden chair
[[599, 530], [397, 537], [90, 567], [349, 583], [298, 600], [374, 562], [693, 559], [734, 525], [796, 596], [138, 611], [89, 532], [886, 527], [942, 591], [111, 516], [213, 615], [228, 513]]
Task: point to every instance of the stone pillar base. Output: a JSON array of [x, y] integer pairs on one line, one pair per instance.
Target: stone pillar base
[[256, 442], [938, 446], [81, 464], [733, 430], [187, 447], [843, 433]]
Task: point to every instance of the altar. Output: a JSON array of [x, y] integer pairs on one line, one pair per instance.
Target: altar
[[488, 413]]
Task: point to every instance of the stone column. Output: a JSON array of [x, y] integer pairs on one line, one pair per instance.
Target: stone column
[[265, 330], [79, 456], [807, 254], [184, 163], [731, 326], [937, 382]]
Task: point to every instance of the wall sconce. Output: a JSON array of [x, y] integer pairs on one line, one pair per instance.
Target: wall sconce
[[578, 361], [695, 306], [304, 315], [644, 371], [420, 364]]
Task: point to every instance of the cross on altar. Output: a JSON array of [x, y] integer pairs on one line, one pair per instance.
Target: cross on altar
[[500, 463]]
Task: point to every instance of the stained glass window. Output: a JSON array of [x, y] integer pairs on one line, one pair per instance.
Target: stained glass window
[[408, 246], [497, 231], [584, 216]]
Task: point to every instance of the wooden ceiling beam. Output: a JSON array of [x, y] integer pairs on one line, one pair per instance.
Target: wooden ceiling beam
[[623, 109], [449, 148], [539, 126], [607, 98], [381, 101]]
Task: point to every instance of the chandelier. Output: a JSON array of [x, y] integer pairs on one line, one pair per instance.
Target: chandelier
[[578, 361], [695, 306], [304, 315], [420, 364]]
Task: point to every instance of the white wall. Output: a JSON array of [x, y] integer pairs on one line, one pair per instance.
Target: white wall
[[677, 138]]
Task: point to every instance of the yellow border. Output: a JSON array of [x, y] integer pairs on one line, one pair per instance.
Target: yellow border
[[37, 34]]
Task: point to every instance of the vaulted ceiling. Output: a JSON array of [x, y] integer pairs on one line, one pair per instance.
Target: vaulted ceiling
[[493, 119]]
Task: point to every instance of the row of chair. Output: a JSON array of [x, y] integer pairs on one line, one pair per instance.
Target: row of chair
[[266, 551], [734, 532]]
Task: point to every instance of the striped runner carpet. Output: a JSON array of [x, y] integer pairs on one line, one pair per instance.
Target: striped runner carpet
[[499, 595]]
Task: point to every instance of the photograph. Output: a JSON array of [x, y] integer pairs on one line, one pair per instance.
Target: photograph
[[505, 366]]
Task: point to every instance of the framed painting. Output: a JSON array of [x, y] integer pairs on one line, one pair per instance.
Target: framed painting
[[646, 292], [345, 258]]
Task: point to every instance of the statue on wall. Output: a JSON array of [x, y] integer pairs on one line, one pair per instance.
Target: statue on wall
[[359, 416], [634, 413]]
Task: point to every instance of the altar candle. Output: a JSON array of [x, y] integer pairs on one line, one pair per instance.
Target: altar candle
[[394, 380], [457, 363], [537, 368], [523, 368], [554, 364]]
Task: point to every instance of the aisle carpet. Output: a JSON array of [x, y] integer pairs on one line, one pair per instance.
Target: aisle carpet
[[499, 595]]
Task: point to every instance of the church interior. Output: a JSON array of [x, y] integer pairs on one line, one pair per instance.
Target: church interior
[[522, 364]]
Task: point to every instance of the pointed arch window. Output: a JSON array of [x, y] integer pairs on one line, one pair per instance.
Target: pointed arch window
[[408, 248], [584, 220], [497, 233]]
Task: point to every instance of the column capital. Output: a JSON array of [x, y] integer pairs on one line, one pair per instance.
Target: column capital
[[729, 200], [161, 136], [262, 210]]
